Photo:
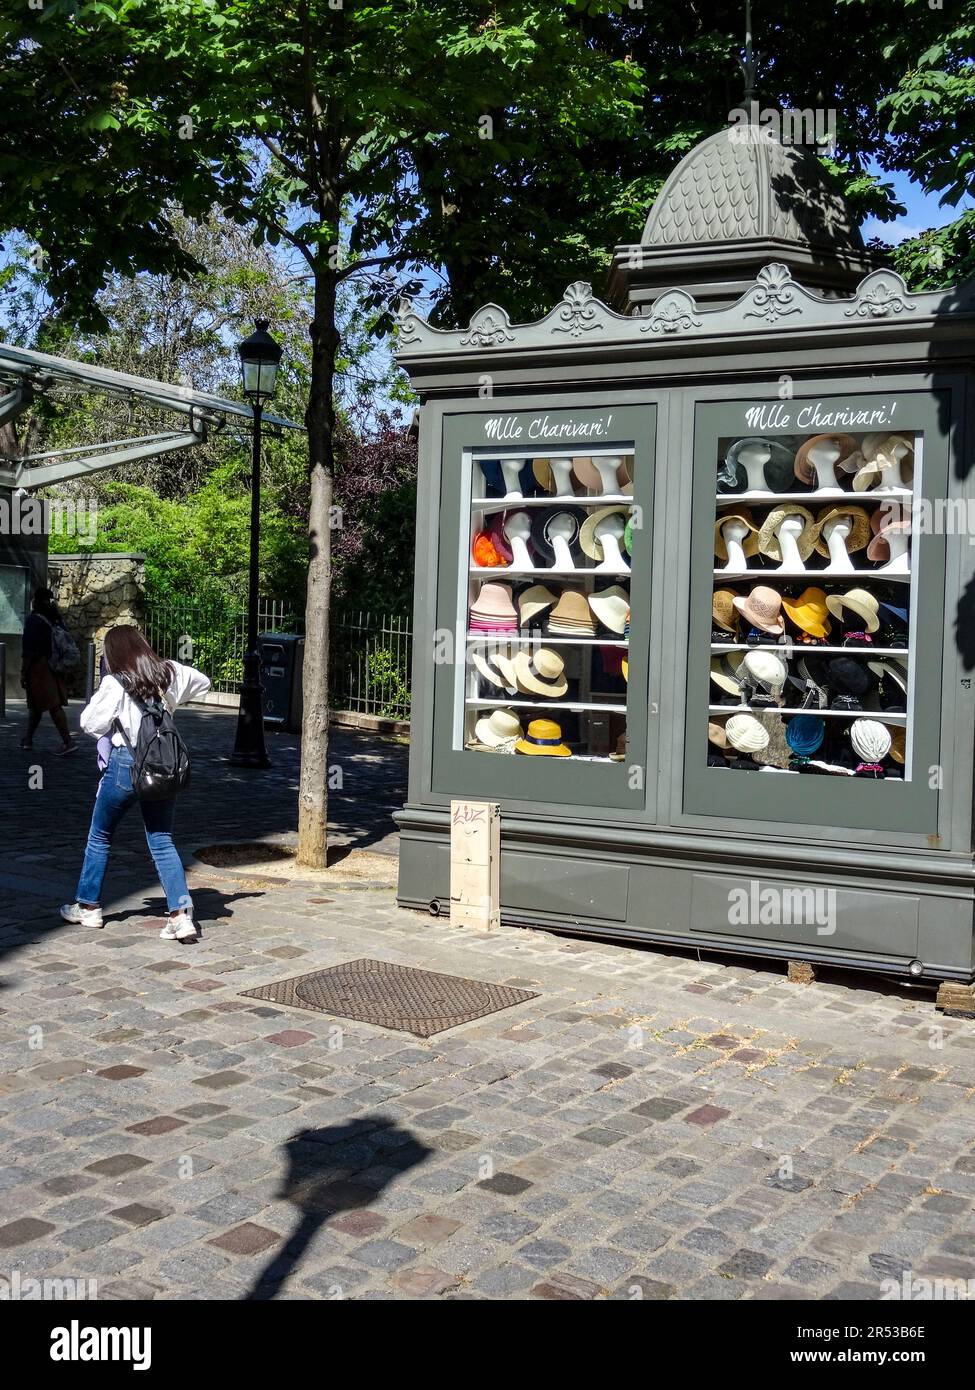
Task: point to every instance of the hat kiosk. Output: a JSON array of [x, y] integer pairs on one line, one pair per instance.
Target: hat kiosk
[[757, 363]]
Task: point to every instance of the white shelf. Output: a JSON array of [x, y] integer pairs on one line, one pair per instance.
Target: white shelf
[[504, 571], [853, 577], [543, 703], [544, 640], [883, 716], [797, 650], [512, 504], [833, 494]]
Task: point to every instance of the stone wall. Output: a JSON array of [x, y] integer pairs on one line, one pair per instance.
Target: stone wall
[[94, 592]]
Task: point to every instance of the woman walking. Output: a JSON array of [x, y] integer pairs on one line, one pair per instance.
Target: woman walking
[[44, 687], [137, 675]]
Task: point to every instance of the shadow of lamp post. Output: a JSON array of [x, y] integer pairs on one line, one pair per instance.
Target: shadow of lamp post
[[260, 357]]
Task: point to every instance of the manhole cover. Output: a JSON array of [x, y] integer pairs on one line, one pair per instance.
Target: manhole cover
[[400, 997]]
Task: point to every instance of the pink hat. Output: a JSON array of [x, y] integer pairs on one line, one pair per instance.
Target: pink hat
[[493, 602], [884, 519], [763, 608]]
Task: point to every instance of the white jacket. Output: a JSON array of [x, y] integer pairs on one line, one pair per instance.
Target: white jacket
[[111, 702]]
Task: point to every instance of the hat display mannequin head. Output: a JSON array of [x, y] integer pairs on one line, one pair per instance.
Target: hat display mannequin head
[[517, 529], [824, 456], [790, 529], [891, 527], [609, 534], [561, 531], [561, 467], [753, 458], [510, 471], [606, 471], [835, 534], [734, 531]]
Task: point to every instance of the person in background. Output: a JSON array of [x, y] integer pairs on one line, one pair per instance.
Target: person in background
[[45, 689], [135, 673]]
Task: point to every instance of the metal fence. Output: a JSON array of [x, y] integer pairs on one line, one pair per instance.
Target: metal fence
[[370, 653]]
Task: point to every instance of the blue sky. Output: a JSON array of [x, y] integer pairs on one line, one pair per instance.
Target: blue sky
[[923, 211]]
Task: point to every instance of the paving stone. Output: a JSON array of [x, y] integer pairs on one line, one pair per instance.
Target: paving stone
[[23, 1230], [246, 1239]]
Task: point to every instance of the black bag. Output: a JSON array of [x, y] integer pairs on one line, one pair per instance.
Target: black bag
[[160, 763]]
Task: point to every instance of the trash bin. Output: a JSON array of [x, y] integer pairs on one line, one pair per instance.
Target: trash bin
[[282, 657]]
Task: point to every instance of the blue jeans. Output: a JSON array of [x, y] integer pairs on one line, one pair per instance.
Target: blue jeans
[[115, 797]]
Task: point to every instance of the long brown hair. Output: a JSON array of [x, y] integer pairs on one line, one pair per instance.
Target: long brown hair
[[132, 661]]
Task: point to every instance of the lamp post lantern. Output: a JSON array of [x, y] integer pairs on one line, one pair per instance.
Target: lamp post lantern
[[260, 357]]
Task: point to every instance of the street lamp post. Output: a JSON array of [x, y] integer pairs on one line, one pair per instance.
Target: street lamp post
[[260, 356]]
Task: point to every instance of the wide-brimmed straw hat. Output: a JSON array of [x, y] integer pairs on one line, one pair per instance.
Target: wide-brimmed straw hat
[[723, 677], [858, 601], [809, 612], [572, 616], [723, 609], [589, 541], [746, 734], [768, 541], [611, 607], [859, 527], [805, 471], [898, 742], [888, 666], [749, 544], [495, 668], [502, 726], [763, 609], [533, 601], [877, 455], [543, 739], [541, 672], [589, 476]]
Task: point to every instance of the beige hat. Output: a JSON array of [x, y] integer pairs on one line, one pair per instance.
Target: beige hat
[[749, 544], [500, 727], [723, 609], [533, 601], [541, 673], [805, 471], [763, 609], [722, 677], [491, 666], [717, 735], [588, 539], [859, 534], [877, 454], [746, 734], [572, 616], [861, 603], [503, 660], [588, 474], [886, 518], [763, 668], [889, 667], [611, 607], [768, 541]]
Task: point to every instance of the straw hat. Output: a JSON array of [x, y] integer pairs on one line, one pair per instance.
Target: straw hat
[[898, 740], [765, 669], [541, 673], [805, 471], [503, 660], [889, 667], [543, 739], [717, 735], [749, 544], [809, 612], [611, 607], [493, 604], [746, 734], [858, 601], [885, 519], [572, 616], [763, 609], [871, 740], [492, 667], [722, 677], [588, 539], [768, 541], [859, 533], [723, 609], [542, 469], [533, 601], [500, 727], [878, 453]]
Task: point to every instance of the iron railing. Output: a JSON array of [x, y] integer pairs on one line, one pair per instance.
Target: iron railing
[[212, 635]]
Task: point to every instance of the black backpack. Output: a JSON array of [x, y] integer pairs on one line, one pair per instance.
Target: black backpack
[[160, 762]]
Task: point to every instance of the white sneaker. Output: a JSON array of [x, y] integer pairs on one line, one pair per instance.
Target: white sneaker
[[180, 928], [82, 916]]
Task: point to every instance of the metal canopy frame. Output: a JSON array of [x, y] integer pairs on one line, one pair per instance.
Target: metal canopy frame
[[25, 375]]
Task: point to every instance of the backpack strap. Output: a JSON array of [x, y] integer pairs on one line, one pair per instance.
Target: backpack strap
[[117, 723]]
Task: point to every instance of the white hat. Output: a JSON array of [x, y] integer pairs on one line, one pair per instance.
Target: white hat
[[541, 673], [490, 666], [533, 601], [746, 734], [764, 668], [889, 667], [500, 727], [870, 739], [611, 607]]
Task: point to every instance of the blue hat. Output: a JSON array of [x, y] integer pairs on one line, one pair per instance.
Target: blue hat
[[494, 478], [897, 615], [804, 733]]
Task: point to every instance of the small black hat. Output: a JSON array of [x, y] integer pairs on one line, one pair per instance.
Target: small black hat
[[849, 676], [541, 544]]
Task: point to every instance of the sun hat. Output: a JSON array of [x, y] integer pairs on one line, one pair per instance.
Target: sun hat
[[884, 520], [503, 660], [804, 734], [541, 522], [809, 612], [762, 607], [805, 471], [732, 476], [717, 735], [898, 741], [723, 609], [768, 541], [611, 607], [534, 600], [541, 673], [749, 544], [572, 616], [722, 676], [544, 738], [870, 739], [588, 540], [763, 668], [492, 609], [858, 601], [499, 727], [878, 453], [490, 666], [859, 532], [889, 667], [746, 734]]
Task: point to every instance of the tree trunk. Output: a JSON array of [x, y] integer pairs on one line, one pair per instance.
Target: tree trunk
[[320, 422]]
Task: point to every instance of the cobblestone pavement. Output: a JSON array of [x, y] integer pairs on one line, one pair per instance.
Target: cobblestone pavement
[[649, 1126]]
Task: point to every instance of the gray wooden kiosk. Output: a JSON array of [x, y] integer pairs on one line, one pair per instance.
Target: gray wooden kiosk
[[695, 583]]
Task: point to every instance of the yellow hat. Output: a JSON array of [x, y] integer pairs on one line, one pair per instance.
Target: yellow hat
[[544, 738], [809, 612]]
